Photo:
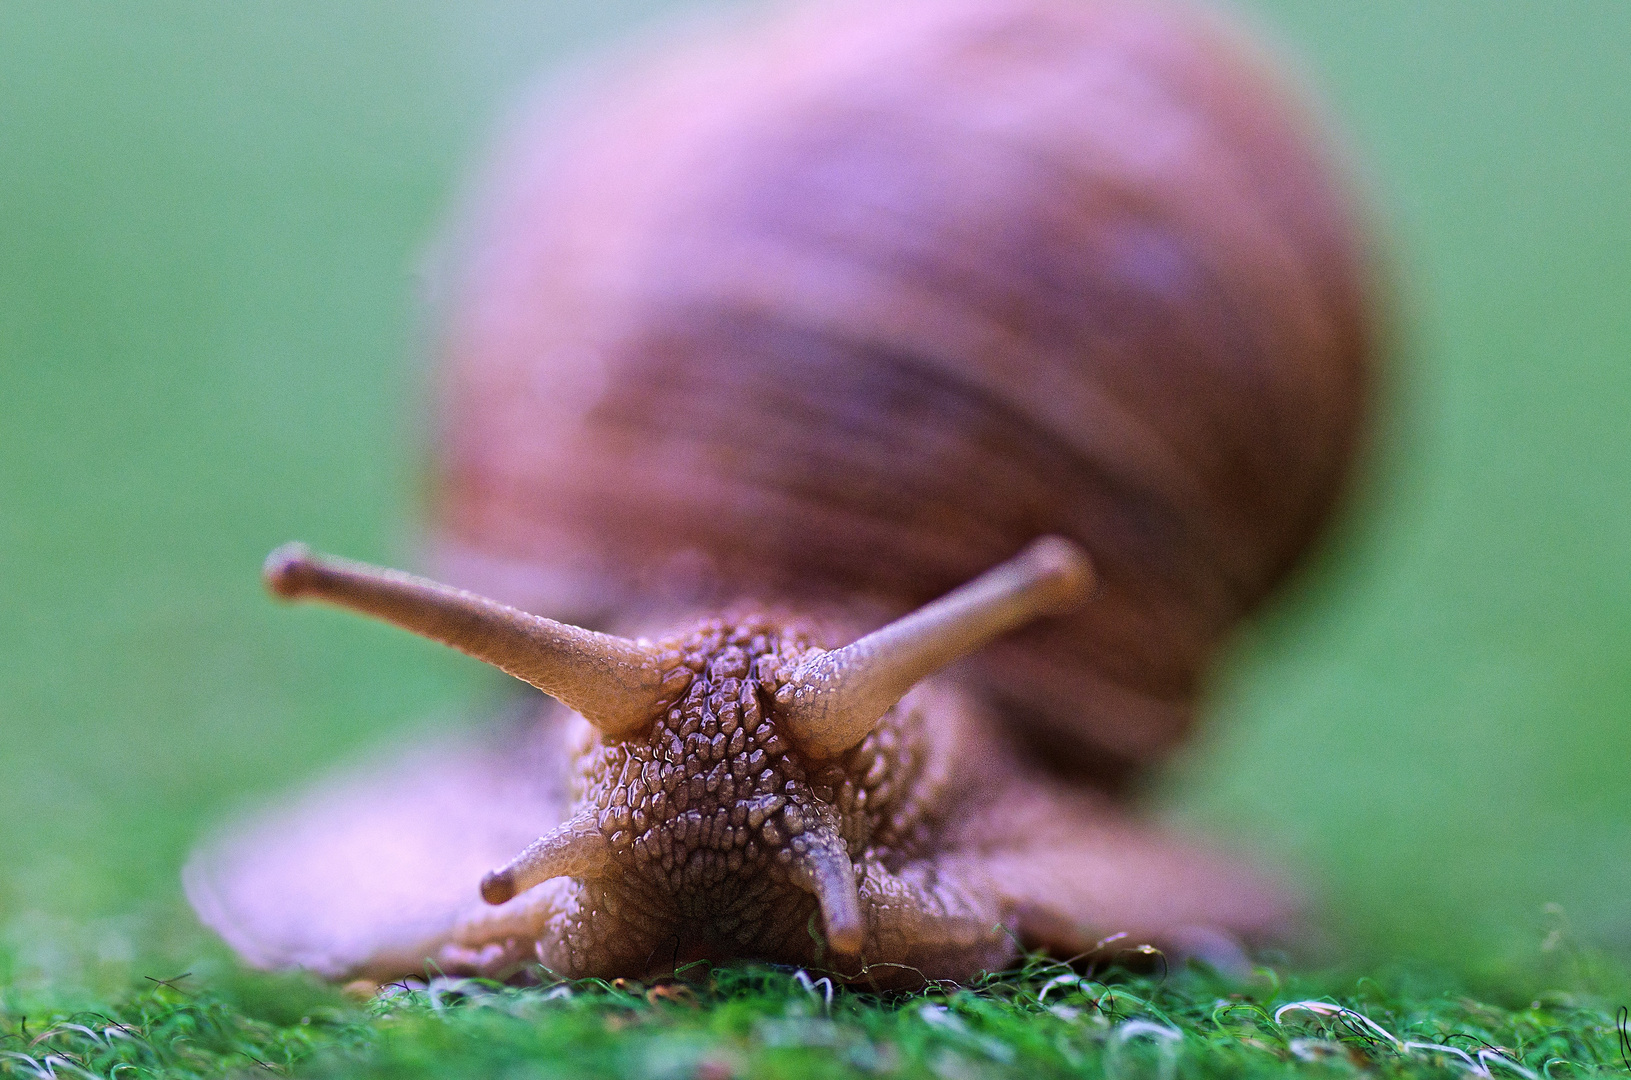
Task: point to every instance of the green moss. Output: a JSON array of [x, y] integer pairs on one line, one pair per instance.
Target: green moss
[[1043, 1019]]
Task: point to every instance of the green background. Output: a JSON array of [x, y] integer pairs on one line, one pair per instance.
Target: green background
[[212, 218]]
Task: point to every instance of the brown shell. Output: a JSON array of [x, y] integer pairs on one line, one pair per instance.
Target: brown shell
[[848, 305]]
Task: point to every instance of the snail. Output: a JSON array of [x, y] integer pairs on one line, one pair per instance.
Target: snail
[[897, 403]]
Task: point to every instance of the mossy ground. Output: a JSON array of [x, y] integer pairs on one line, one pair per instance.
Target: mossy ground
[[209, 215], [1560, 1015]]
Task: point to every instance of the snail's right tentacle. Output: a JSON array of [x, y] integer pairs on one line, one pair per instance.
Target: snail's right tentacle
[[833, 699], [575, 848], [617, 685], [935, 919]]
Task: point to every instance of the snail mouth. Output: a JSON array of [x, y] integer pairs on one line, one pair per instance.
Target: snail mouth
[[721, 905], [726, 925], [730, 880]]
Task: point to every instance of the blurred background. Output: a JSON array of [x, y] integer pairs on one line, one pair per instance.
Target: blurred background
[[212, 226]]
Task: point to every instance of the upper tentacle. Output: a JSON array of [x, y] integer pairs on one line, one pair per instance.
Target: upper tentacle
[[615, 683]]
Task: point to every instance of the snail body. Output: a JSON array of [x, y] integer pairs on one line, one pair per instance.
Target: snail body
[[750, 360]]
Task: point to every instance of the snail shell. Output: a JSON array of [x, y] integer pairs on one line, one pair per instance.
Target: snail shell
[[827, 317], [850, 310]]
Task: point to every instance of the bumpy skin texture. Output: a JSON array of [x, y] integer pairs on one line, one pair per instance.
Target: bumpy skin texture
[[962, 850], [712, 814], [961, 853], [835, 314]]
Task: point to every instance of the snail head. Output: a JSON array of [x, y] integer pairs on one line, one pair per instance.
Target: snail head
[[736, 767]]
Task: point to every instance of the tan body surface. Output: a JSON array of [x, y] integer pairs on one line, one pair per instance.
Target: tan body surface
[[800, 327], [960, 850]]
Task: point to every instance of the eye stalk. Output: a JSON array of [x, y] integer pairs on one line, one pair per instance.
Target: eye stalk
[[829, 704], [617, 684], [718, 802], [833, 699]]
